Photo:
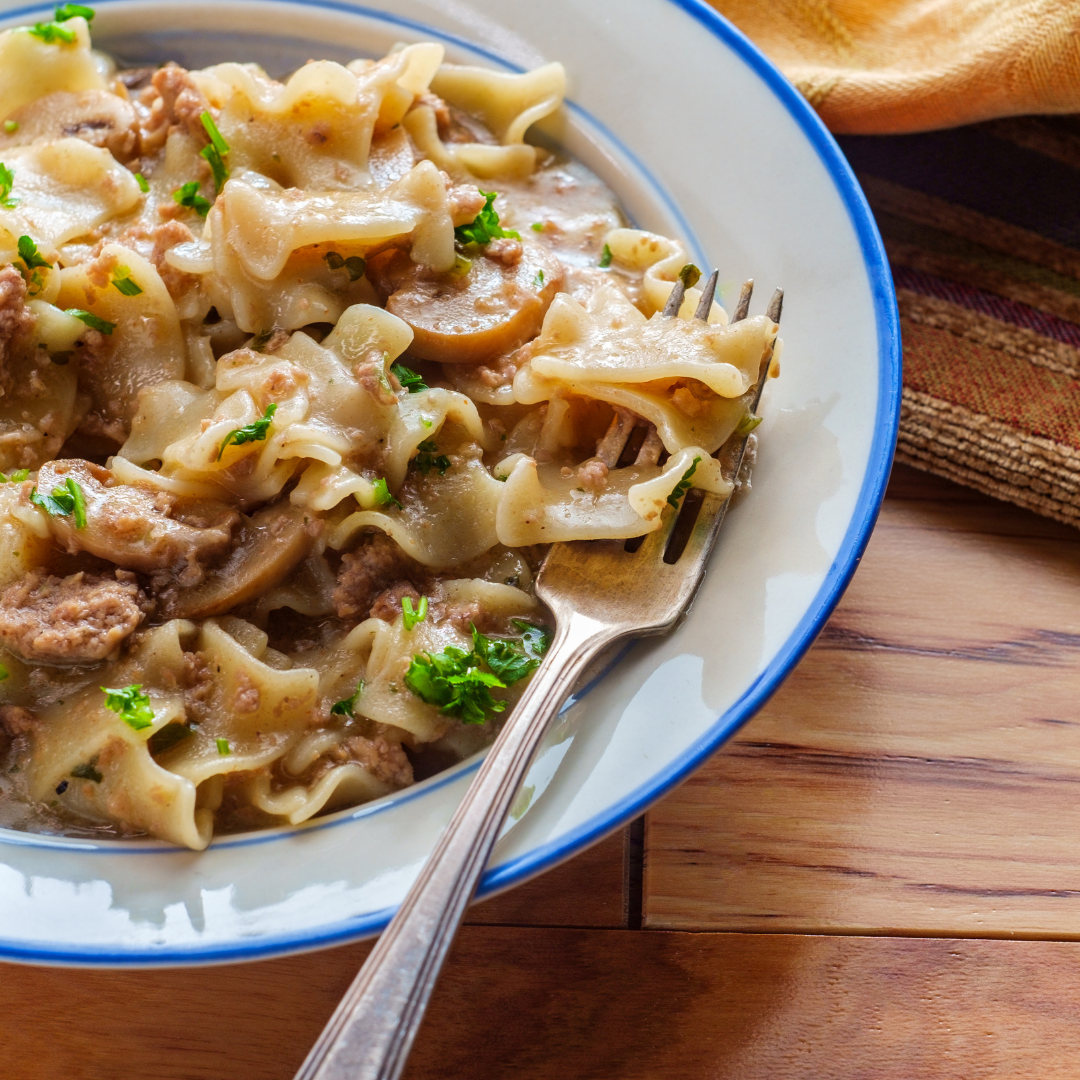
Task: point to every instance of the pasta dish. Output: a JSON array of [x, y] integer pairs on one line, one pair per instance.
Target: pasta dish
[[297, 381]]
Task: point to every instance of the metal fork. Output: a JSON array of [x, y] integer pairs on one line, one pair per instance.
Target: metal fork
[[599, 592]]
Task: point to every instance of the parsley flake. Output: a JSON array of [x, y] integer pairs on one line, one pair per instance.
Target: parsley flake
[[65, 501], [347, 706], [538, 281], [132, 705], [188, 195], [223, 747], [7, 181], [69, 11], [86, 771], [254, 432], [16, 477], [124, 282], [51, 33], [426, 460], [215, 152], [95, 322], [411, 617], [747, 424], [605, 257], [382, 494], [485, 226], [535, 639], [683, 486], [11, 126], [689, 275], [28, 252], [144, 184], [409, 379], [4, 673], [353, 264], [537, 226], [169, 736]]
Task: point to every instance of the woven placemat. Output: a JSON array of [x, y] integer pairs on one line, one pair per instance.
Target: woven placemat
[[982, 228]]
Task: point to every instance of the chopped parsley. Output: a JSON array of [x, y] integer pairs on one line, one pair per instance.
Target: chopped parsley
[[537, 226], [535, 639], [69, 11], [347, 706], [188, 195], [254, 432], [747, 424], [87, 771], [124, 282], [689, 275], [4, 673], [144, 184], [538, 281], [382, 494], [426, 460], [11, 126], [411, 380], [28, 252], [51, 33], [65, 501], [262, 339], [485, 226], [132, 705], [95, 322], [683, 486], [7, 182], [169, 736], [215, 152], [353, 264], [605, 257], [223, 747], [411, 617], [16, 477], [455, 681]]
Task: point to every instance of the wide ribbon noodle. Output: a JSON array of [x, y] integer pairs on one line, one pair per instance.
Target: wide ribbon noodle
[[296, 380]]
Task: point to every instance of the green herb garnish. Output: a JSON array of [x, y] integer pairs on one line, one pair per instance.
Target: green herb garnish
[[189, 196], [132, 705], [254, 432], [411, 617], [69, 11], [16, 477], [689, 275], [262, 339], [347, 706], [408, 378], [535, 639], [51, 33], [426, 460], [506, 658], [683, 486], [95, 322], [144, 184], [538, 281], [223, 747], [215, 152], [11, 126], [605, 258], [354, 264], [28, 252], [169, 736], [747, 424], [7, 181], [485, 226], [382, 494], [65, 501], [87, 772], [124, 282], [537, 226], [4, 673]]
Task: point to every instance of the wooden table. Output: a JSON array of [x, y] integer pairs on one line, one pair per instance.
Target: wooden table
[[880, 877]]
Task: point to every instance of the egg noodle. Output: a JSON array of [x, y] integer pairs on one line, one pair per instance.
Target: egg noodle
[[297, 379]]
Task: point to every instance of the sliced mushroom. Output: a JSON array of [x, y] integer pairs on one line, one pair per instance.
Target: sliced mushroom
[[497, 305], [96, 116], [272, 543], [133, 527]]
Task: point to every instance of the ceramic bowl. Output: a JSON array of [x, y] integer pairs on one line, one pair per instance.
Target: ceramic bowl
[[701, 138]]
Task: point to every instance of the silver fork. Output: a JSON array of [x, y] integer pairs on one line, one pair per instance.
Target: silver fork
[[599, 591]]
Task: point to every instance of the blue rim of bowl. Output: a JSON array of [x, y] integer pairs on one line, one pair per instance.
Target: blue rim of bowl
[[767, 682]]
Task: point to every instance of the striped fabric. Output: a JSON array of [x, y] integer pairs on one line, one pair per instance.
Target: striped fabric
[[982, 227]]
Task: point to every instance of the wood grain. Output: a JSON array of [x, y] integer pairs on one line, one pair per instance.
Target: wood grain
[[920, 771], [552, 1004]]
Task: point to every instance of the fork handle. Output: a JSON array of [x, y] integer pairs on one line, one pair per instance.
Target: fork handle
[[372, 1030]]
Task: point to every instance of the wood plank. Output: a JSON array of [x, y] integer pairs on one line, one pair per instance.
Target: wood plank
[[586, 891], [920, 771], [555, 1004]]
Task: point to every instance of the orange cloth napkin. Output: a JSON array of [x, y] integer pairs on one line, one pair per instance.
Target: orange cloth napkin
[[880, 66]]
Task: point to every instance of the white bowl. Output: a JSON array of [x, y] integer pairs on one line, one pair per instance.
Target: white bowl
[[701, 138]]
